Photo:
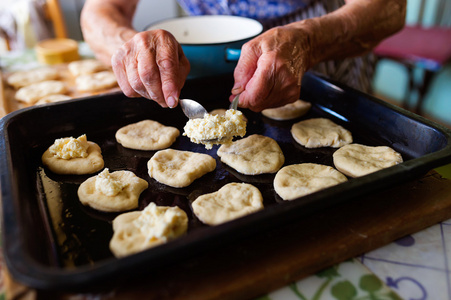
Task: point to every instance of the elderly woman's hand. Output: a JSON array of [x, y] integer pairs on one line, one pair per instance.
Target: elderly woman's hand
[[270, 68], [151, 65]]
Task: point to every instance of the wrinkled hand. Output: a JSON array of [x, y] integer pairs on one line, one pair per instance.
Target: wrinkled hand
[[270, 68], [151, 65]]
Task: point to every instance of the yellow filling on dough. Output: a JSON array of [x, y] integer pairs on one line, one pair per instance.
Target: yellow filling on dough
[[68, 148]]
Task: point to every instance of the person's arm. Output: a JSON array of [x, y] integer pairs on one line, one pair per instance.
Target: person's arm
[[106, 25], [354, 29], [271, 66], [148, 64]]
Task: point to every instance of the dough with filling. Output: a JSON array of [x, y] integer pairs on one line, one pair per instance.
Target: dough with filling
[[298, 180], [320, 132], [33, 92], [112, 192], [357, 160], [178, 168], [91, 163], [147, 135], [140, 230], [289, 111], [234, 200], [253, 155]]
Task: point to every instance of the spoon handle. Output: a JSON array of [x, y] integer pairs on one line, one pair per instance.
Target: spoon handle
[[234, 104]]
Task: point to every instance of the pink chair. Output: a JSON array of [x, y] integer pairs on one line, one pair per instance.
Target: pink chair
[[417, 46]]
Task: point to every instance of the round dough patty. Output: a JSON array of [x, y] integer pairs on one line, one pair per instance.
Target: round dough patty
[[357, 160], [53, 98], [126, 199], [75, 166], [289, 111], [147, 135], [95, 82], [320, 132], [298, 180], [178, 168], [222, 112], [232, 201], [86, 66], [253, 155], [33, 92], [218, 111], [23, 78]]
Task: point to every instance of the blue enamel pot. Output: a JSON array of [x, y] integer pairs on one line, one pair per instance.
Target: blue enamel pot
[[212, 44]]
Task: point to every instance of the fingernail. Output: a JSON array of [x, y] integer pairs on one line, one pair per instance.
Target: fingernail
[[172, 102], [237, 89]]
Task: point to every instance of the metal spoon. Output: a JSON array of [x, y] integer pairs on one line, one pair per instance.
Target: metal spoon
[[194, 110], [234, 104]]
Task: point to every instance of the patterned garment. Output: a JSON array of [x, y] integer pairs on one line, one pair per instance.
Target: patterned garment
[[356, 72], [255, 9]]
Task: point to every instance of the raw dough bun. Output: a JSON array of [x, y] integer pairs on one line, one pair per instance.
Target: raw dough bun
[[179, 168], [95, 82], [218, 111], [23, 78], [320, 132], [222, 112], [147, 135], [232, 201], [84, 67], [253, 155], [126, 199], [75, 166], [357, 160], [33, 92], [298, 180], [53, 98], [289, 111], [129, 239]]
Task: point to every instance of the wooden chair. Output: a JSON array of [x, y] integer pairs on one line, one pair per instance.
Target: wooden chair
[[418, 46], [55, 14]]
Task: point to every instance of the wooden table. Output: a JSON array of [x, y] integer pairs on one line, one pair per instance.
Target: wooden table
[[278, 257]]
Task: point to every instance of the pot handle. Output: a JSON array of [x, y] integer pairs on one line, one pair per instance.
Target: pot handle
[[232, 54]]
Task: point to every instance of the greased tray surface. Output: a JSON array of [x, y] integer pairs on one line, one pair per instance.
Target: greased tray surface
[[51, 241]]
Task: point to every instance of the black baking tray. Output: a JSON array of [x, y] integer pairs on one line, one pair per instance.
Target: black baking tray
[[52, 242]]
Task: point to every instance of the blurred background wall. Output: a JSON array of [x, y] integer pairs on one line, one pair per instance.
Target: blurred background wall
[[391, 78], [148, 11]]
